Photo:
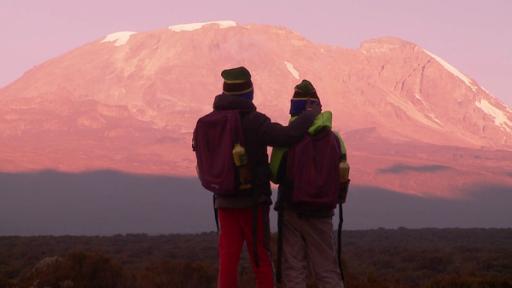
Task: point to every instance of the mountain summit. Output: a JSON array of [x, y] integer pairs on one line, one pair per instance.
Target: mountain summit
[[129, 101]]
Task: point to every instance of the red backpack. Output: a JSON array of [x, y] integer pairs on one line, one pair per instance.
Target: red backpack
[[214, 138], [312, 168]]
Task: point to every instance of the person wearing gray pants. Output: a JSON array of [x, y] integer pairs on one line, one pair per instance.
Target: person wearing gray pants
[[309, 240], [312, 182]]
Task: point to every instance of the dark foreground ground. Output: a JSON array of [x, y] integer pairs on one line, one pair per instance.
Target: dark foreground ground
[[433, 258]]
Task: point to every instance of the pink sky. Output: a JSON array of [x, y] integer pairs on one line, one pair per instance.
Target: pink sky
[[473, 35]]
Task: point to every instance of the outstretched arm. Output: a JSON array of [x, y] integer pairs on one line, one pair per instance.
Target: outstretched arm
[[277, 135]]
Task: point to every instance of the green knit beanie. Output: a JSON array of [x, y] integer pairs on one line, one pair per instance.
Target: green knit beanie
[[236, 81], [305, 90]]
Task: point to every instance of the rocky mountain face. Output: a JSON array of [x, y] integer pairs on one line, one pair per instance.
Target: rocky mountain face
[[412, 122]]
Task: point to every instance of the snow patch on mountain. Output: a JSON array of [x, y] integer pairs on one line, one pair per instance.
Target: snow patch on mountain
[[453, 70], [485, 90], [414, 113], [500, 118], [420, 99], [119, 38], [435, 118], [199, 25], [430, 115], [292, 69]]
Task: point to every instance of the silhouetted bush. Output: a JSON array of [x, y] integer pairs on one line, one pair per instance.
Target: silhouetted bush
[[78, 270], [470, 282], [381, 258], [4, 282], [177, 274]]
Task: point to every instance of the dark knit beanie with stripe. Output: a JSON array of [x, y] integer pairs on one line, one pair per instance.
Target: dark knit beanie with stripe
[[237, 81], [303, 94], [305, 90]]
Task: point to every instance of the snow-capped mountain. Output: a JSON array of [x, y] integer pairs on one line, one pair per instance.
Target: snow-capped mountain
[[130, 101]]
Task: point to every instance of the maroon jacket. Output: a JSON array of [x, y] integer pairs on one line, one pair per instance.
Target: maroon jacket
[[260, 132]]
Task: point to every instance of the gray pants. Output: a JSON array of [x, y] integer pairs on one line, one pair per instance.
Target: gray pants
[[309, 242]]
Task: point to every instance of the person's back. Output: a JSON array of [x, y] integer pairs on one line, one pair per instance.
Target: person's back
[[308, 174], [243, 217]]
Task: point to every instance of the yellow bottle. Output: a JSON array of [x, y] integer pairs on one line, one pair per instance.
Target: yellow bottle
[[344, 171], [239, 155], [241, 161]]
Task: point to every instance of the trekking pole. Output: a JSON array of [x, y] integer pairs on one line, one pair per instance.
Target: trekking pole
[[340, 225], [216, 213], [279, 246]]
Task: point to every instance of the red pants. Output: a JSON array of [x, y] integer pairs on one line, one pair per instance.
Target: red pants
[[236, 227]]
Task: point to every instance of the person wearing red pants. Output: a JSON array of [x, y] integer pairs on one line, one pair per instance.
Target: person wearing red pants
[[243, 216], [235, 229]]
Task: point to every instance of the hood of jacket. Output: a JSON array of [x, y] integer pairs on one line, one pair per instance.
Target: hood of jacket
[[322, 121], [232, 102]]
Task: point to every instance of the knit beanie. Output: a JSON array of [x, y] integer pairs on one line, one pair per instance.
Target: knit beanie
[[237, 81], [305, 90], [304, 93]]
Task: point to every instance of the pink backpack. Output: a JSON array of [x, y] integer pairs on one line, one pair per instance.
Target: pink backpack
[[214, 138], [312, 168]]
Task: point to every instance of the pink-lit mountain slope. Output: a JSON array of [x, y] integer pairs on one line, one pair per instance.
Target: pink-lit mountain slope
[[413, 123]]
